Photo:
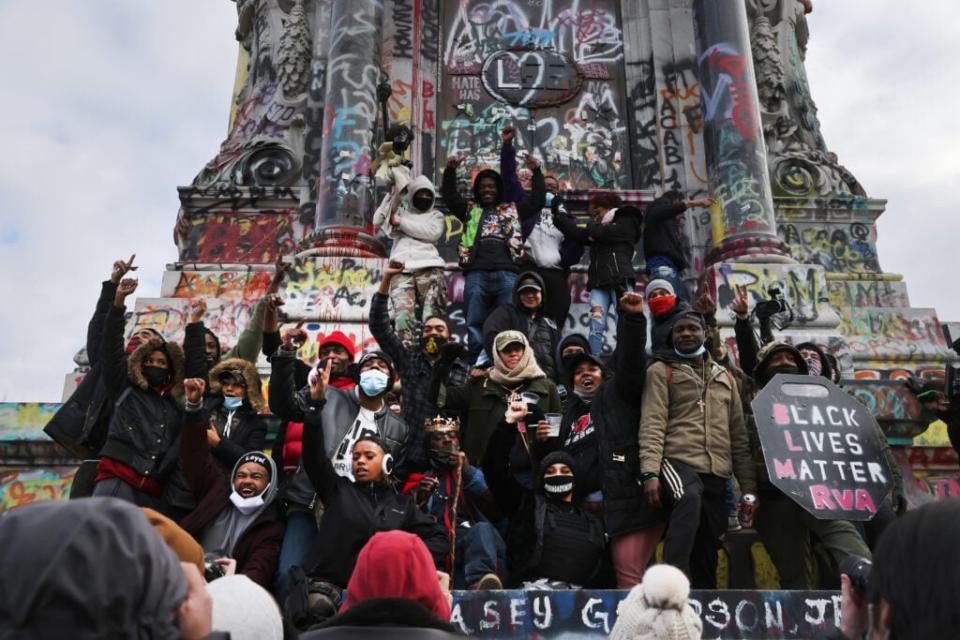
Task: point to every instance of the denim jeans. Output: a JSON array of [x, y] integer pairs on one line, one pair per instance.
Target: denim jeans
[[604, 299], [297, 542], [483, 292], [480, 550], [665, 269]]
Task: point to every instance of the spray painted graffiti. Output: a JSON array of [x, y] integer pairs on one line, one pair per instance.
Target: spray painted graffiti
[[727, 614], [21, 486], [868, 293], [228, 237], [893, 334], [25, 420], [338, 289], [350, 113], [231, 285], [803, 287], [847, 248], [226, 318], [550, 69]]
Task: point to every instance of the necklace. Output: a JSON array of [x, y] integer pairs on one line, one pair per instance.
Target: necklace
[[701, 385]]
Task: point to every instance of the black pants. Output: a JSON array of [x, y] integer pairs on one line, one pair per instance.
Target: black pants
[[557, 295], [697, 520]]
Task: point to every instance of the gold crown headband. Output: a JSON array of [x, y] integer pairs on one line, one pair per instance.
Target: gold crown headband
[[440, 424]]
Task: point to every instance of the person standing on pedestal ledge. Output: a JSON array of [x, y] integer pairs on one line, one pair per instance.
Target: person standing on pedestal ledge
[[663, 238], [692, 439], [611, 234], [139, 452], [415, 366], [409, 218], [492, 242], [544, 247]]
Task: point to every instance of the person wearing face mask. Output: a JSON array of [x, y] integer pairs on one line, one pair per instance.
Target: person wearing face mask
[[357, 504], [409, 218], [514, 374], [415, 365], [553, 543], [818, 364], [296, 491], [571, 345], [526, 314], [692, 439], [491, 246], [664, 307], [786, 528], [145, 422], [599, 430], [236, 515], [80, 424], [455, 493], [545, 247], [233, 402]]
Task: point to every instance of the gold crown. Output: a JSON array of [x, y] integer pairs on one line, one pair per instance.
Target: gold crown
[[440, 424]]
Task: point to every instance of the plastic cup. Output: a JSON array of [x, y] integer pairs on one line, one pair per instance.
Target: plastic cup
[[554, 420]]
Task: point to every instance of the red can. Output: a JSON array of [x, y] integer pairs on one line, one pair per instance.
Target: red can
[[747, 505]]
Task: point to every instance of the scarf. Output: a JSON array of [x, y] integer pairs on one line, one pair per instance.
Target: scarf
[[526, 369]]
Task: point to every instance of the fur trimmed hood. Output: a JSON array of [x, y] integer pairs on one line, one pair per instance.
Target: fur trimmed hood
[[174, 356], [250, 378]]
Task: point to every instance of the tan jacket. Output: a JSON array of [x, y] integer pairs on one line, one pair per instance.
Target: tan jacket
[[713, 441]]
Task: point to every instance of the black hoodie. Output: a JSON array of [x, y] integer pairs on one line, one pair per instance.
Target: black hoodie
[[541, 331]]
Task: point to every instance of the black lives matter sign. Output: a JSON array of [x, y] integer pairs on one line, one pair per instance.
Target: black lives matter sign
[[821, 447]]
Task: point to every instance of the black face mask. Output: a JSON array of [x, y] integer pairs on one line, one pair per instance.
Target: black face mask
[[422, 203], [567, 361], [558, 486], [155, 376], [446, 455], [769, 372], [431, 345]]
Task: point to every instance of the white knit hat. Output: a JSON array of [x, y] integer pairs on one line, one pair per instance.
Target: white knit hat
[[659, 283], [245, 609], [657, 608]]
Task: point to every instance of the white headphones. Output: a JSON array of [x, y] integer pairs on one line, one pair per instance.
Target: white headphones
[[387, 465]]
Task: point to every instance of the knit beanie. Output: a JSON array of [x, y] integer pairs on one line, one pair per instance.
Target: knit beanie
[[659, 283], [657, 608], [244, 609]]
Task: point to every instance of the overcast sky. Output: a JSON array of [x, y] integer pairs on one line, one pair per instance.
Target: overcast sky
[[109, 106]]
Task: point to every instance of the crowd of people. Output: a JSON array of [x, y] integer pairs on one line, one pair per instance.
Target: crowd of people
[[523, 458]]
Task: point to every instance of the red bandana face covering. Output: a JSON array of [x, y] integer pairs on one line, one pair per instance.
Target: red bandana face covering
[[661, 305]]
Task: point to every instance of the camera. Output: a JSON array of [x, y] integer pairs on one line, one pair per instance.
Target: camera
[[858, 570], [212, 570], [776, 304]]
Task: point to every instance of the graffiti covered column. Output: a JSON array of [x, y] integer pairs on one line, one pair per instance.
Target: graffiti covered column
[[345, 197], [744, 227]]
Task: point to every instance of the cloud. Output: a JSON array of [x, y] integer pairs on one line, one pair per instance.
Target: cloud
[[110, 105], [115, 105], [883, 76]]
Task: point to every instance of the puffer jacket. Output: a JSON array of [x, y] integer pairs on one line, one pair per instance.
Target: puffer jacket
[[416, 236], [712, 441], [611, 247], [340, 409], [80, 425], [541, 331], [144, 424]]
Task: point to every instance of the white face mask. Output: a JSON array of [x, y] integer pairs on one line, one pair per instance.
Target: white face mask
[[246, 506]]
